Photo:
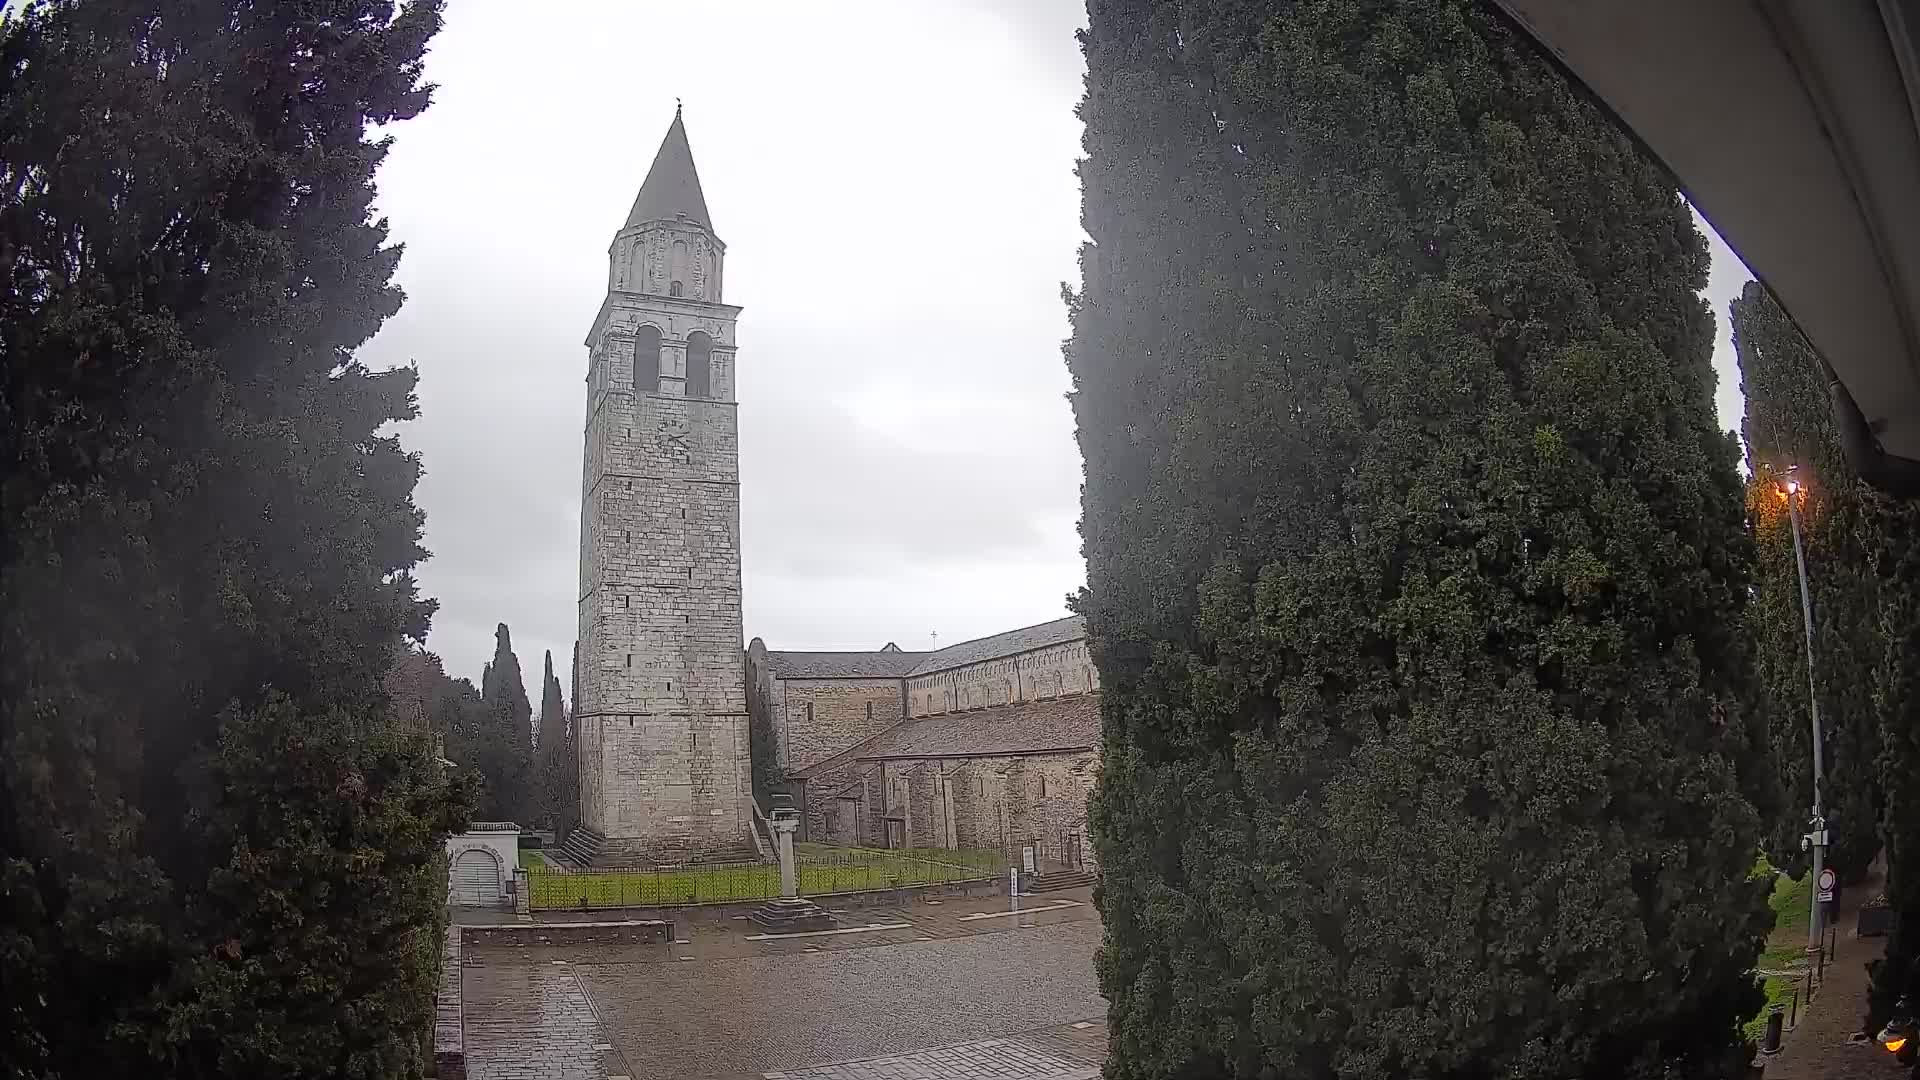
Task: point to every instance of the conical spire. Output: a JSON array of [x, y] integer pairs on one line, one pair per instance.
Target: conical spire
[[672, 187]]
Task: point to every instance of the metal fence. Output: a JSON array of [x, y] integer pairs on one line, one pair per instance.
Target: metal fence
[[821, 872]]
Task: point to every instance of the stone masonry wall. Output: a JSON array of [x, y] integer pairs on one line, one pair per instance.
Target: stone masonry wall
[[1040, 673], [998, 804], [662, 710], [818, 718]]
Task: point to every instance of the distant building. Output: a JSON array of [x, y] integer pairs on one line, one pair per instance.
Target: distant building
[[992, 743]]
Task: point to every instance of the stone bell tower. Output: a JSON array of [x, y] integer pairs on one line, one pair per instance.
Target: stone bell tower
[[662, 712]]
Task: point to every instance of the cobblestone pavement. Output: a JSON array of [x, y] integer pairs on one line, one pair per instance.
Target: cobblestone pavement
[[535, 1023], [743, 1016], [1027, 1058]]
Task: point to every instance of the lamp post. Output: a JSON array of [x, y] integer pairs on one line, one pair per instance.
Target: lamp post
[[1816, 840]]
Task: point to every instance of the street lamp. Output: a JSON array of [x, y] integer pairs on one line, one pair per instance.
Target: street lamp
[[1816, 840]]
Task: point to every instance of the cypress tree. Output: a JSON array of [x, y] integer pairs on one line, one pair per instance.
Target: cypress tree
[[216, 853], [551, 751], [1789, 422], [504, 751], [1897, 696], [1416, 561]]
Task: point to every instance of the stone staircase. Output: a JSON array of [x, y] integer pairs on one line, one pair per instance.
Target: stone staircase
[[581, 848], [1056, 880]]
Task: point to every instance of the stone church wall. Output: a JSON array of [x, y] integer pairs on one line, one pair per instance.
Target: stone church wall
[[1000, 804], [818, 718], [1040, 673]]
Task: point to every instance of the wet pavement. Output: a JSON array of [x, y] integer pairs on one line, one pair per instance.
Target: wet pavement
[[958, 988], [1043, 1055]]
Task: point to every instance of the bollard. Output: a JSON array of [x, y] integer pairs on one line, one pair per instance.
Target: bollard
[[1770, 1038], [1794, 1020]]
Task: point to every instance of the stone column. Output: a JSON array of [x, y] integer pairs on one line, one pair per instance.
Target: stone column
[[785, 824], [789, 913]]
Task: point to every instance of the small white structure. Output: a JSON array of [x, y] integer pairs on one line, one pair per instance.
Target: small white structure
[[480, 864]]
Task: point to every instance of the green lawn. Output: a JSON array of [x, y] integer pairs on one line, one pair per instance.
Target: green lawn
[[1792, 903], [531, 860], [823, 870], [1786, 947]]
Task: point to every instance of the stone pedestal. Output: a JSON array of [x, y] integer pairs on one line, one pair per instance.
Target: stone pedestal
[[791, 913]]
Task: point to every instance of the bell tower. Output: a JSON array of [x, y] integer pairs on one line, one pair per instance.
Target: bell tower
[[662, 713]]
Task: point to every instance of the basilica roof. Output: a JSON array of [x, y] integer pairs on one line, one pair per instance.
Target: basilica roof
[[672, 187], [1025, 639], [884, 664], [1050, 725]]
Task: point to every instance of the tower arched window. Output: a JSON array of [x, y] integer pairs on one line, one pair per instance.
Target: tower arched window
[[646, 360], [678, 266], [699, 365]]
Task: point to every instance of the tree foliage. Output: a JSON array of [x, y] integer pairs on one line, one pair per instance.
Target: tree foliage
[[1897, 697], [1789, 425], [205, 821], [502, 747], [1416, 561], [555, 765]]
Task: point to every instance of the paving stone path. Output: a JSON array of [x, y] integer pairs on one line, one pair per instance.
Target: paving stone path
[[936, 1008], [535, 1022], [988, 1059]]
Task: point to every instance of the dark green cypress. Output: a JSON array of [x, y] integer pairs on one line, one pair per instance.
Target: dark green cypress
[[217, 858], [1416, 561], [1789, 423], [551, 754], [504, 752]]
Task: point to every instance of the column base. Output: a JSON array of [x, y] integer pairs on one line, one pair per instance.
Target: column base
[[792, 914]]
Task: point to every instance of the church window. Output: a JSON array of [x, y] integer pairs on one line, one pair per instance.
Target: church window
[[646, 360], [869, 712], [699, 365], [1043, 785], [629, 659], [679, 269], [809, 712], [675, 289]]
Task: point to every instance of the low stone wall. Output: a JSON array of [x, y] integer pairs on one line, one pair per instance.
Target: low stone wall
[[625, 932], [449, 1028]]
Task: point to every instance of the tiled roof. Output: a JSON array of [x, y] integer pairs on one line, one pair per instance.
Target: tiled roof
[[1025, 639], [885, 664], [1027, 727]]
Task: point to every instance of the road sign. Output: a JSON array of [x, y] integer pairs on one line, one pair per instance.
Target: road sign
[[1826, 879]]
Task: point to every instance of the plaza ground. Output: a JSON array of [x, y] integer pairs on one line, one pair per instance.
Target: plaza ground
[[929, 991]]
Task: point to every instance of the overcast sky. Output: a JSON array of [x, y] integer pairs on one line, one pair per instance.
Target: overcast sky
[[894, 182]]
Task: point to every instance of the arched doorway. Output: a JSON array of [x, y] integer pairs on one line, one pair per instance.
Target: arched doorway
[[476, 879]]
